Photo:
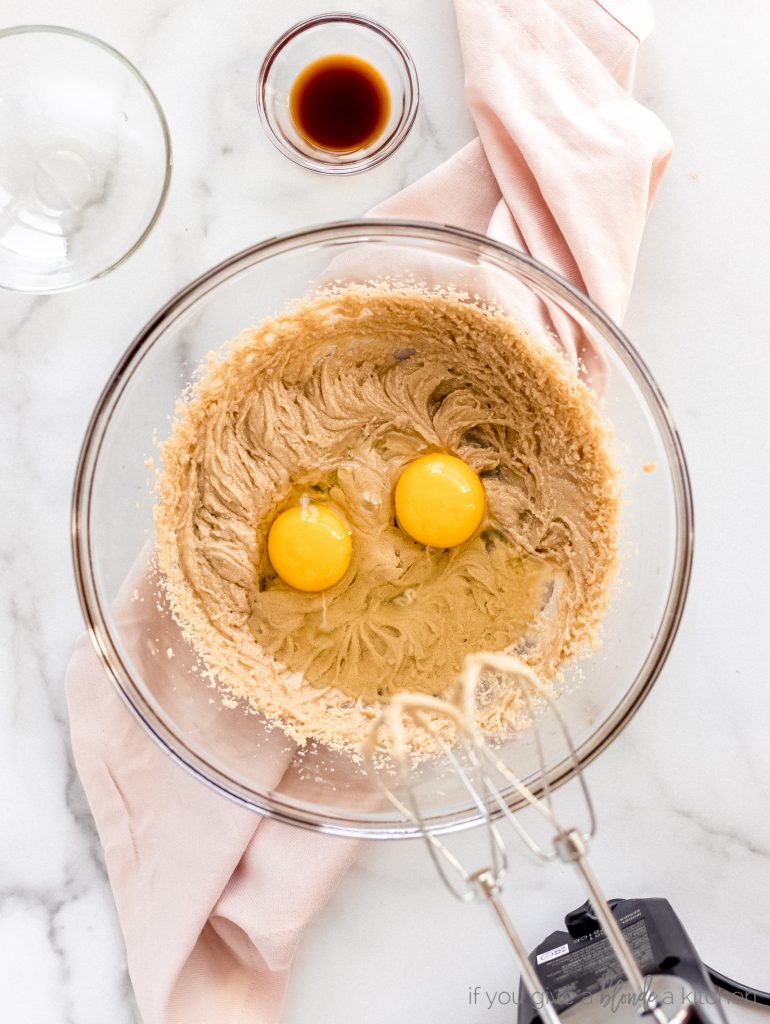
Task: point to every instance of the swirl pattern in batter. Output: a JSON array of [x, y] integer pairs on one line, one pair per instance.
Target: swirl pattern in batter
[[329, 402]]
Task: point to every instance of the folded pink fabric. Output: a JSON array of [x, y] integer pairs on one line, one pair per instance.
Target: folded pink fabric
[[211, 898]]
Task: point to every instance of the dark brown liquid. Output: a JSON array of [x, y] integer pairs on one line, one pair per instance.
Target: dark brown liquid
[[340, 103]]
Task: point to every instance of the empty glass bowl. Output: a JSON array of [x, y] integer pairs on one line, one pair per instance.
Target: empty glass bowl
[[85, 158], [332, 34], [113, 528]]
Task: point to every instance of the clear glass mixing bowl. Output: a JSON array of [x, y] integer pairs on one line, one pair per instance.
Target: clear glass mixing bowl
[[112, 526]]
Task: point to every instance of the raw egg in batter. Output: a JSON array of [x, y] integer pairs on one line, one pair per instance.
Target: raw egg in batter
[[439, 500], [310, 547]]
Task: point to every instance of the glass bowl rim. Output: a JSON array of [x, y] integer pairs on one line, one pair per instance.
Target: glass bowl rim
[[86, 37], [340, 232], [389, 145]]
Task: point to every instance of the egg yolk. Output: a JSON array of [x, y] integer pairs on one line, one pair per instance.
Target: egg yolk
[[439, 500], [310, 547]]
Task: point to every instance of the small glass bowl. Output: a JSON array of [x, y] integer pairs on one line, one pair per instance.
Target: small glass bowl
[[85, 158], [321, 37]]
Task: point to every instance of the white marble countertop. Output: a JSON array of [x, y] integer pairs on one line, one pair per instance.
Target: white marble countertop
[[684, 794]]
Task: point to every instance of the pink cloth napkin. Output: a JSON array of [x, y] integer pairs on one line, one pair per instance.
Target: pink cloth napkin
[[212, 899]]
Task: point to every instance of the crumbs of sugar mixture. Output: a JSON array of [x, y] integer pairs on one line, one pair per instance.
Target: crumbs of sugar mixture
[[332, 399]]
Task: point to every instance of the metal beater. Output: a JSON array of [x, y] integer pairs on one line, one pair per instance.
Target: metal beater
[[479, 769]]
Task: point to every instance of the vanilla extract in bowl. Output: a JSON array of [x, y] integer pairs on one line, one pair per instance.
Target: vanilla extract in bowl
[[340, 103]]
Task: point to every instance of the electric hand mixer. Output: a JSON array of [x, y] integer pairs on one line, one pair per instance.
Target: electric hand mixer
[[484, 775]]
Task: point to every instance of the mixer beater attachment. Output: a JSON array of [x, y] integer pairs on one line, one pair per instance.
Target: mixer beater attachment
[[484, 776]]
